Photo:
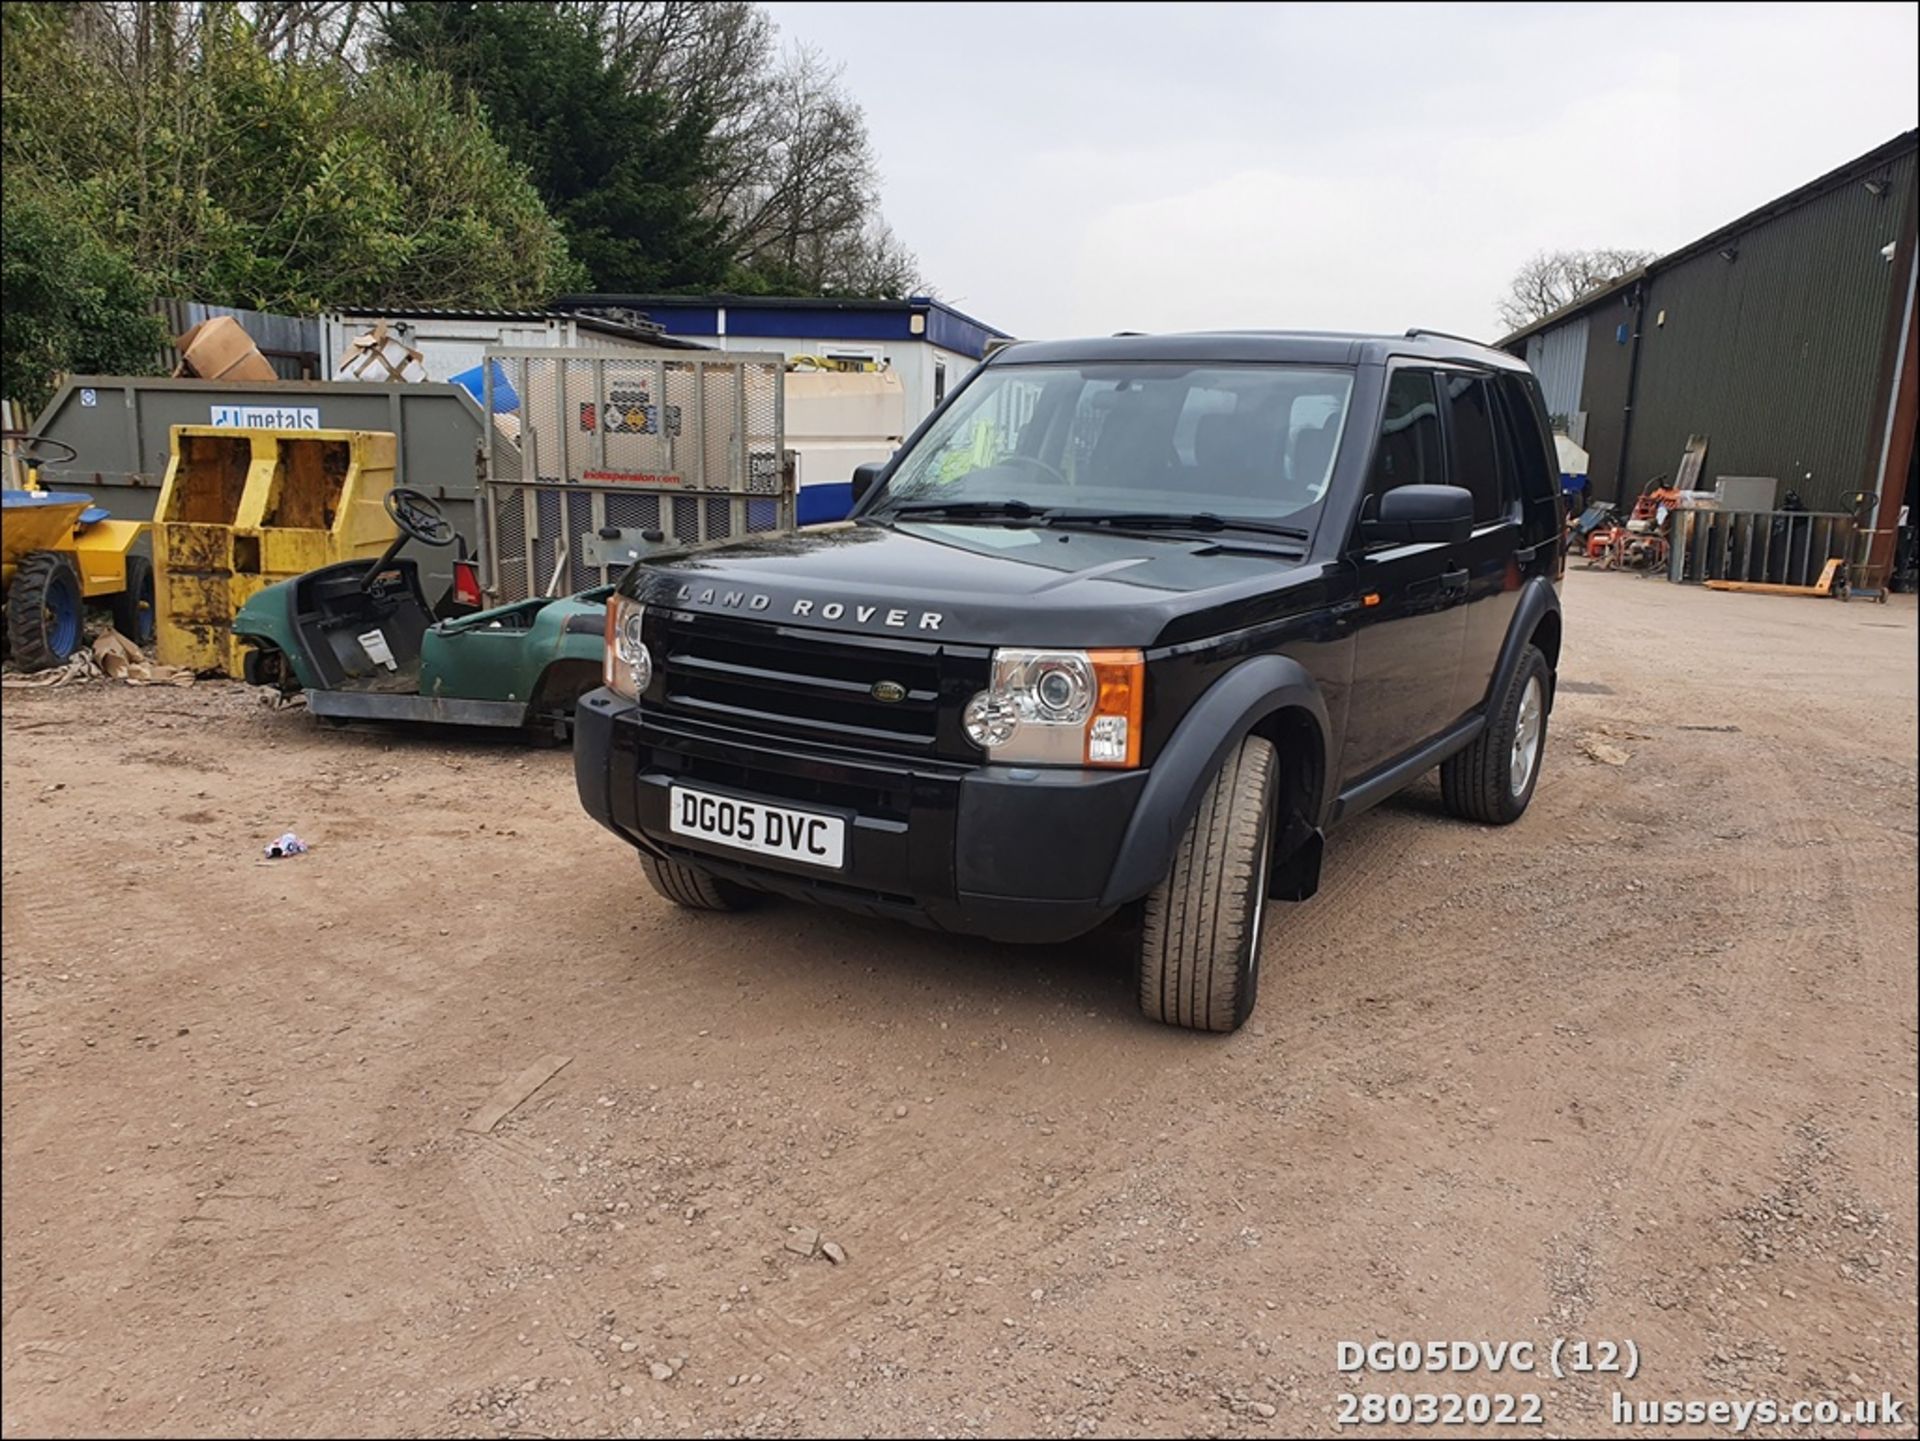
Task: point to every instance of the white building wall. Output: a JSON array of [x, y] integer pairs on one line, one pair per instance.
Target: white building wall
[[835, 422], [914, 361]]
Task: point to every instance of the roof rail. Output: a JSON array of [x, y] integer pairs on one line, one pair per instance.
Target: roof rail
[[1420, 330]]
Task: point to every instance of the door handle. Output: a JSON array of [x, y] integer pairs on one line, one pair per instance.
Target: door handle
[[1453, 580]]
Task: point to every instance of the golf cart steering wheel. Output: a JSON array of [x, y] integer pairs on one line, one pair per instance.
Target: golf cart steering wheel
[[418, 517], [1036, 462], [26, 446]]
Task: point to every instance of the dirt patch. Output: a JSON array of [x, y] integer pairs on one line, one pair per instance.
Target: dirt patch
[[1642, 1066]]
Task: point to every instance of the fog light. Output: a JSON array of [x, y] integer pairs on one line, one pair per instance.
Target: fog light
[[990, 720]]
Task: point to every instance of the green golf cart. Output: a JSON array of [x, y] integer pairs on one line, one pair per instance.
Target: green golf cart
[[359, 640]]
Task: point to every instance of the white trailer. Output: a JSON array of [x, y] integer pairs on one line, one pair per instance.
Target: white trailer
[[836, 420]]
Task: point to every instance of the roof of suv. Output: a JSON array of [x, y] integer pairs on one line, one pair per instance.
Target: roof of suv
[[1294, 346]]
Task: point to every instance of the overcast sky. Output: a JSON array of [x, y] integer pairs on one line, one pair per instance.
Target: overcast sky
[[1085, 168]]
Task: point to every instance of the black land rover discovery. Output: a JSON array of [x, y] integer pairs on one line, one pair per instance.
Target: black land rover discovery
[[1127, 622]]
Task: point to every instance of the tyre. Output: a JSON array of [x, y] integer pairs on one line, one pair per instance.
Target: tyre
[[1199, 959], [133, 607], [43, 611], [694, 889], [1492, 780]]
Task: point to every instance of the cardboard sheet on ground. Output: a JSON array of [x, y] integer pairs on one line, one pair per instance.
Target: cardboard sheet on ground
[[111, 657], [511, 1092]]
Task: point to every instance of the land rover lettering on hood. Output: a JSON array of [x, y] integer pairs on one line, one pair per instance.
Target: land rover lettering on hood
[[804, 607]]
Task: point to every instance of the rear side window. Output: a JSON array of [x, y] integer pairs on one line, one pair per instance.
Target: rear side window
[[1527, 446], [1475, 457], [1409, 450]]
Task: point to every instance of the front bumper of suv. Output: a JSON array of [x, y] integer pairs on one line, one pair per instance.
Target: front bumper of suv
[[1013, 853]]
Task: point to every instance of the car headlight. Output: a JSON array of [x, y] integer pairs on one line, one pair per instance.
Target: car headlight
[[627, 667], [1061, 707]]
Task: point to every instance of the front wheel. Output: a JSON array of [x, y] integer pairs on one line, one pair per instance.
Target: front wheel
[[44, 612], [1199, 958], [1492, 780], [697, 890]]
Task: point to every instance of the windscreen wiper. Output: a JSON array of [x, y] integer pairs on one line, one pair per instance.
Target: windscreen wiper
[[1203, 520], [961, 509]]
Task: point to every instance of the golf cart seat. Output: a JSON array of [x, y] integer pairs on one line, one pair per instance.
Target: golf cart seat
[[362, 636]]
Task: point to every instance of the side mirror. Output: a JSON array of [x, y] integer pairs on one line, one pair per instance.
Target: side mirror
[[1410, 514], [865, 477]]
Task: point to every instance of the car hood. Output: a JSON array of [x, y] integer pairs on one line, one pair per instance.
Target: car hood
[[983, 584]]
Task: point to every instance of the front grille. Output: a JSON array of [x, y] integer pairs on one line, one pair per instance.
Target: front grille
[[786, 681]]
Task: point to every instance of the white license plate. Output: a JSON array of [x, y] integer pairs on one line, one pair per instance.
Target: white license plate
[[804, 836]]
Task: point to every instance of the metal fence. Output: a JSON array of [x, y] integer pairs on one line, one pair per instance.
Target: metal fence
[[1774, 547], [590, 450]]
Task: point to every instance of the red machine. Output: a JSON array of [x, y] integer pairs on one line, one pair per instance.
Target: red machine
[[1640, 542]]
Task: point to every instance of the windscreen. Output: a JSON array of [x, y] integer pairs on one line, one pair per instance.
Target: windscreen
[[1253, 442]]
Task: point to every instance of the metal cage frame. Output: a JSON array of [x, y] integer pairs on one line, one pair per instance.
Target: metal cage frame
[[587, 450]]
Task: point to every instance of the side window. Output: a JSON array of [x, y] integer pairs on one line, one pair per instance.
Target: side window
[[1526, 447], [1475, 461], [1408, 451], [939, 381]]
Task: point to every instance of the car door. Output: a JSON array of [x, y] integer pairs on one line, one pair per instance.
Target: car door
[[1490, 557], [1408, 621]]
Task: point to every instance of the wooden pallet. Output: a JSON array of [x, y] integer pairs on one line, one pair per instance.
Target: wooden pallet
[[1824, 587]]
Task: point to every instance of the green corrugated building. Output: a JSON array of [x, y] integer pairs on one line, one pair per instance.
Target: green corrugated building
[[1785, 337]]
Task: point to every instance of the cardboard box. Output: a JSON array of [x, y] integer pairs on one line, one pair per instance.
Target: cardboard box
[[218, 349]]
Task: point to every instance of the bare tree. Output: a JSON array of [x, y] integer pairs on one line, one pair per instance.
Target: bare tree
[[806, 209], [713, 54], [872, 262], [311, 29], [1554, 279], [816, 168]]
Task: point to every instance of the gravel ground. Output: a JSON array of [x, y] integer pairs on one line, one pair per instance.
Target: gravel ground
[[1641, 1067]]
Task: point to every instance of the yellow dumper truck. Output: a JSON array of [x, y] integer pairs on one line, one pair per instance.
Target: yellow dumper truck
[[59, 550]]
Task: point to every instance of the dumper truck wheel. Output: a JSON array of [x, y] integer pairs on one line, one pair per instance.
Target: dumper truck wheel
[[1199, 958], [694, 889], [43, 611], [133, 607]]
